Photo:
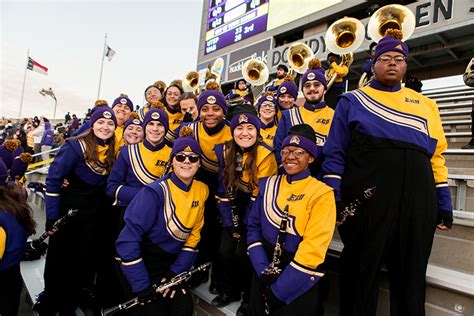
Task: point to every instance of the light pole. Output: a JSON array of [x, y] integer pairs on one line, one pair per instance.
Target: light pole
[[50, 92]]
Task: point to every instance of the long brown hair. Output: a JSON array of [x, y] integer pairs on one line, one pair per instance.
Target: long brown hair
[[13, 201], [91, 153], [231, 176]]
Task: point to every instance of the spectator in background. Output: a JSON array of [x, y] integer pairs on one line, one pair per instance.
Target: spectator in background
[[47, 140], [67, 118], [30, 140], [37, 135], [469, 81], [21, 136], [74, 125]]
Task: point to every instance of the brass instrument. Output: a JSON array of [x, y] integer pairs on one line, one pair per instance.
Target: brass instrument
[[298, 55], [211, 75], [363, 81], [190, 81], [343, 37], [160, 84], [255, 72], [393, 16]]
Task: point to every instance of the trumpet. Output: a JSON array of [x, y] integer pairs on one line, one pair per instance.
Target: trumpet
[[393, 16], [190, 81], [298, 55], [343, 37], [255, 72]]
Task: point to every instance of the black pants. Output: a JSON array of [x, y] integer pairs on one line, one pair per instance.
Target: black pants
[[10, 290], [211, 231], [306, 304], [396, 226], [72, 257]]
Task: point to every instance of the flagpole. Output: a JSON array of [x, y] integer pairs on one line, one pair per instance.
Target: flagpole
[[24, 80], [102, 66]]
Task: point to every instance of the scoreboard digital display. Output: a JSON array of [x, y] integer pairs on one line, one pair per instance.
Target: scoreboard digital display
[[230, 21]]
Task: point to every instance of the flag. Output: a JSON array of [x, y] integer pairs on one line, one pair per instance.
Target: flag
[[34, 66], [110, 53]]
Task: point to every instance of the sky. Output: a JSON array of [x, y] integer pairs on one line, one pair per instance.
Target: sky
[[153, 39]]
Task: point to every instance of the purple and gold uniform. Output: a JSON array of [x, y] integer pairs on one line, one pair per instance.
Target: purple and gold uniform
[[12, 240], [391, 138], [175, 119], [319, 117], [268, 131], [119, 140], [265, 166], [136, 166], [207, 139], [167, 216], [312, 216]]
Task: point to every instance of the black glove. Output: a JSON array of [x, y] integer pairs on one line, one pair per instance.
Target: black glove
[[445, 218], [268, 279], [49, 224], [188, 117], [274, 303], [178, 287], [340, 206], [147, 295], [34, 250]]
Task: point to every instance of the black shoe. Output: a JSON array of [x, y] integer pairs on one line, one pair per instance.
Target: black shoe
[[214, 288], [468, 146], [243, 309], [223, 300]]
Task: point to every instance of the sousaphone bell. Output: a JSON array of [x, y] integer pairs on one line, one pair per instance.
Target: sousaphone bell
[[298, 55], [255, 72]]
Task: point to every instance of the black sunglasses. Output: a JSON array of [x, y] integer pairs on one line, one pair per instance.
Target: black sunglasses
[[182, 158]]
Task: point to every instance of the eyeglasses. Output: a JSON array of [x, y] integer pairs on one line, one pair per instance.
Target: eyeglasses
[[298, 153], [386, 59], [315, 84], [268, 106], [182, 157]]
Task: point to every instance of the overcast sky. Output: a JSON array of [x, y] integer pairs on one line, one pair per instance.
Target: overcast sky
[[153, 40]]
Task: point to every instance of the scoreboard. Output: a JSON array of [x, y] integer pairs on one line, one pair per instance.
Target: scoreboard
[[230, 21]]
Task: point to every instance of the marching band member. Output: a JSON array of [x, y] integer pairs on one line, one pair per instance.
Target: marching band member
[[87, 122], [367, 68], [132, 130], [153, 95], [122, 107], [140, 164], [311, 217], [267, 111], [314, 112], [286, 95], [282, 71], [243, 89], [172, 95], [242, 162], [212, 129], [389, 137], [71, 261], [188, 107], [339, 85], [16, 224], [162, 231]]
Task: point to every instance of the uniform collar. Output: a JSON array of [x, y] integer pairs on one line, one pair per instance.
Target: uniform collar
[[171, 110], [151, 147], [100, 142], [310, 107], [214, 130], [269, 125], [180, 184], [380, 86], [300, 176]]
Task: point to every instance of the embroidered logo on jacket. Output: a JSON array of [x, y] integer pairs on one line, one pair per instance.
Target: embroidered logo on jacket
[[294, 197], [412, 100], [195, 204]]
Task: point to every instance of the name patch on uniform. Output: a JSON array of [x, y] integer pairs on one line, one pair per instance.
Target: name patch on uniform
[[323, 121], [295, 197], [160, 163], [176, 121], [412, 100], [270, 136], [195, 204]]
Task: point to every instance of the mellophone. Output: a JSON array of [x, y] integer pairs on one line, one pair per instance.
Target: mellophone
[[178, 279]]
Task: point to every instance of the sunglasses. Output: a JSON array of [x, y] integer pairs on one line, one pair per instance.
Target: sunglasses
[[182, 157]]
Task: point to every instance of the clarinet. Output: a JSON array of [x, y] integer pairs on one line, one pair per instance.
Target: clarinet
[[274, 270], [352, 208], [36, 248], [233, 212], [178, 279]]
